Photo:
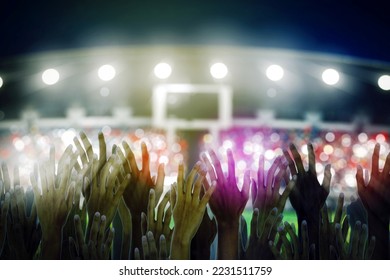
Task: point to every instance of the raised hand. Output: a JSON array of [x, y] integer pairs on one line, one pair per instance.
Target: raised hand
[[136, 195], [359, 247], [376, 199], [79, 209], [265, 192], [328, 228], [125, 217], [105, 190], [97, 245], [54, 200], [227, 204], [23, 229], [293, 247], [187, 209], [258, 247], [4, 206], [308, 196], [149, 248], [158, 224], [86, 152]]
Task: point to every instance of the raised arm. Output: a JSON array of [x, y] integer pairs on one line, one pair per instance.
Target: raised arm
[[227, 204], [308, 195], [376, 199]]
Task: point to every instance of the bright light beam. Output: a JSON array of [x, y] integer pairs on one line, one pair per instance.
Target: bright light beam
[[162, 70], [1, 82], [50, 76], [330, 77], [275, 72], [106, 72], [384, 82], [218, 70]]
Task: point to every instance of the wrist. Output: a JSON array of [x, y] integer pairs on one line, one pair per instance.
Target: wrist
[[232, 224], [180, 240]]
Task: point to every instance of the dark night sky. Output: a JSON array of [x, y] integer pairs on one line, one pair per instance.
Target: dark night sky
[[342, 27]]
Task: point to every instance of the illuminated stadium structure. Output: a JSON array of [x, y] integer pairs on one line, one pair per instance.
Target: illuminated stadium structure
[[253, 100]]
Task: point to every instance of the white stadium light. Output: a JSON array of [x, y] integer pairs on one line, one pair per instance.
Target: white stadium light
[[275, 72], [1, 82], [218, 70], [162, 70], [50, 76], [106, 72], [330, 76], [384, 82]]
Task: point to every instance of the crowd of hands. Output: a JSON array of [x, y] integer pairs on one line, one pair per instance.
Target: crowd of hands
[[73, 206]]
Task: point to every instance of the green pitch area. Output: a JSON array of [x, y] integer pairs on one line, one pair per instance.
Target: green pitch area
[[288, 216]]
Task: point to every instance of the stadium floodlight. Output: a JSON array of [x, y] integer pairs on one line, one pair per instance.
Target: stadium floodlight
[[50, 76], [106, 72], [330, 76], [162, 70], [1, 82], [218, 70], [274, 72], [384, 82]]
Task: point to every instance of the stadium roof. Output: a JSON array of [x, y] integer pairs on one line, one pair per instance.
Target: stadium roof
[[353, 28]]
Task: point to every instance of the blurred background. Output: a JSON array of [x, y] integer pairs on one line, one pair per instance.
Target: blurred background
[[252, 76]]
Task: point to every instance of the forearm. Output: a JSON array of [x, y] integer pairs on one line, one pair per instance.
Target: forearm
[[313, 228], [180, 248], [126, 245], [228, 241], [379, 227], [51, 245], [136, 235]]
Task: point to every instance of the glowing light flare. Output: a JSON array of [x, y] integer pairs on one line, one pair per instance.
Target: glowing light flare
[[330, 137], [269, 154], [18, 144], [350, 180], [362, 137], [274, 72], [324, 157], [178, 158], [176, 148], [208, 138], [162, 70], [346, 140], [380, 138], [359, 151], [106, 72], [218, 70], [384, 82], [227, 144], [330, 76], [50, 76], [328, 149], [248, 147], [1, 82]]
